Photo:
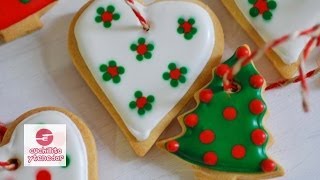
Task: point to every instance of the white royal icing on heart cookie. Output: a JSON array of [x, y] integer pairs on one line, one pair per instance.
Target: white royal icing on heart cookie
[[77, 168], [287, 16], [145, 74]]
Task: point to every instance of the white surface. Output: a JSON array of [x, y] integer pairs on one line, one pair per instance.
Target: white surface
[[37, 71], [99, 45]]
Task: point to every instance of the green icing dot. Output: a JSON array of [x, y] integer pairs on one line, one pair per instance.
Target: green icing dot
[[116, 16], [174, 83], [180, 30], [133, 105], [254, 12], [110, 9], [180, 20], [188, 36], [191, 21], [166, 76], [141, 111], [25, 1], [100, 10], [272, 5], [107, 24], [98, 19], [150, 99], [267, 15], [141, 40], [138, 94], [68, 161], [182, 79], [252, 1], [148, 55]]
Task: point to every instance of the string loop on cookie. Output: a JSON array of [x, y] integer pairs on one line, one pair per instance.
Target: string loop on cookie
[[313, 33], [145, 25], [10, 165]]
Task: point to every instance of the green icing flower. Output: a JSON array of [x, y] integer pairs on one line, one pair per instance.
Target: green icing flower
[[175, 74], [106, 16], [143, 49], [186, 27], [112, 71], [263, 7], [142, 103]]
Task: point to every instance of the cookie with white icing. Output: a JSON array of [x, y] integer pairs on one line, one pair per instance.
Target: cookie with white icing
[[20, 17], [81, 161], [144, 78], [266, 20]]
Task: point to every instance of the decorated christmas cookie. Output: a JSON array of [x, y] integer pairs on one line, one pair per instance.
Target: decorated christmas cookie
[[266, 20], [143, 78], [80, 148], [20, 17], [224, 136]]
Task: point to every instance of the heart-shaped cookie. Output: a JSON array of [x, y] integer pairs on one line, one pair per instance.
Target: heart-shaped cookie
[[80, 146], [266, 20], [144, 78], [20, 17]]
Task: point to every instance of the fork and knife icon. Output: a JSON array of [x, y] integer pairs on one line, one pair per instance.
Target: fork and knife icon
[[44, 137]]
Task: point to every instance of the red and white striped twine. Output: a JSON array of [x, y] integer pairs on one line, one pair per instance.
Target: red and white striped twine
[[145, 25], [8, 165], [314, 42]]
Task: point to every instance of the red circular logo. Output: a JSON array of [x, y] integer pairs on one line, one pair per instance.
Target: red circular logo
[[44, 137]]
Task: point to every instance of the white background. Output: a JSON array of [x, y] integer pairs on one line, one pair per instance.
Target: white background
[[36, 71]]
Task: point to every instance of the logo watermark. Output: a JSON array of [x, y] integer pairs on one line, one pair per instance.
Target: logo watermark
[[44, 144]]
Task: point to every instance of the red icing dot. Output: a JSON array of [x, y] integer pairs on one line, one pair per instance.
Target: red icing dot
[[256, 107], [238, 151], [256, 81], [258, 137], [268, 165], [207, 136], [43, 175], [191, 120], [106, 17], [222, 69], [210, 158], [113, 71], [175, 74], [142, 49], [229, 113], [172, 146], [141, 102], [186, 27], [242, 52], [206, 95], [262, 5]]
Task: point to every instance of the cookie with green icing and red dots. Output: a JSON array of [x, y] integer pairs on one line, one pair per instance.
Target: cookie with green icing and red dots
[[224, 136], [267, 20], [20, 17], [144, 78], [80, 162]]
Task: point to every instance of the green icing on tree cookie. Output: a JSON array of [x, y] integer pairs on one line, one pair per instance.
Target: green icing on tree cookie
[[107, 15], [225, 132], [143, 49], [176, 75]]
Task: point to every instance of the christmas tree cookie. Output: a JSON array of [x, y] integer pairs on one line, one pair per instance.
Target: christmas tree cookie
[[224, 136], [144, 78], [266, 20], [80, 159], [20, 17]]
